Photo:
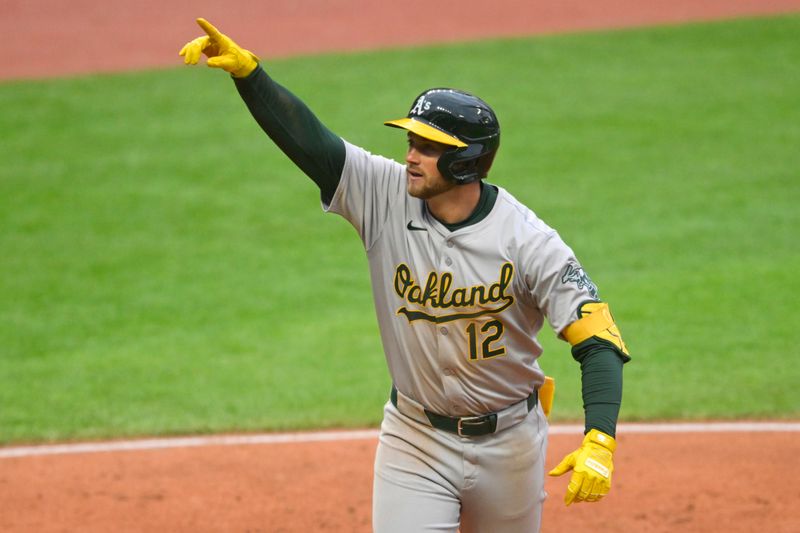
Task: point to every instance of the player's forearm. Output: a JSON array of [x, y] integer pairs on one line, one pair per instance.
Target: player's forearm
[[601, 376], [295, 129]]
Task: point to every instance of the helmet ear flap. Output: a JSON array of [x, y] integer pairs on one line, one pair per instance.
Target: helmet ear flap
[[465, 165], [460, 164]]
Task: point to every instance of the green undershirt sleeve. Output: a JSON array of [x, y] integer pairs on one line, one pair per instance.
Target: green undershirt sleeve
[[293, 127], [601, 378]]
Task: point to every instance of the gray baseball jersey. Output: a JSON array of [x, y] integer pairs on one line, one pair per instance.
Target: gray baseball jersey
[[458, 311]]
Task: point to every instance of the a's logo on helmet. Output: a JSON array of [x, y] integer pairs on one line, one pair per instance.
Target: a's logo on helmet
[[420, 106]]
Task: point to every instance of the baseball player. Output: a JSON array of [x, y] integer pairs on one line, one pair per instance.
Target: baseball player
[[463, 278]]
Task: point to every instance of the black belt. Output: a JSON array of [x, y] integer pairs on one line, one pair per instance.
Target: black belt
[[467, 426]]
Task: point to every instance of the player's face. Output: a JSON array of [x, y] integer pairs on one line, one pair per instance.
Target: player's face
[[424, 179]]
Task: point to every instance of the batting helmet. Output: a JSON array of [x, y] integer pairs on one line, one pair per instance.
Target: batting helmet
[[460, 120]]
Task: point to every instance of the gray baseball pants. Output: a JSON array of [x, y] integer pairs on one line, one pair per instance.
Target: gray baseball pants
[[427, 479]]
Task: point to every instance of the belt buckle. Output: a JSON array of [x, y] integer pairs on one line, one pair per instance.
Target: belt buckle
[[470, 420]]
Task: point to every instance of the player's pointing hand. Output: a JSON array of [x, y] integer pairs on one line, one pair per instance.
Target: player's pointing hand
[[210, 30], [221, 50]]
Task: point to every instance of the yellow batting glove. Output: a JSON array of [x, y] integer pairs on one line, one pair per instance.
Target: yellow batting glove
[[222, 52], [591, 467]]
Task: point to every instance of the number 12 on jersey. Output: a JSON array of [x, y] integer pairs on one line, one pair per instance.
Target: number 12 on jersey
[[482, 343]]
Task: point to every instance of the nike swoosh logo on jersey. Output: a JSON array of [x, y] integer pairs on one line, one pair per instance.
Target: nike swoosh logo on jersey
[[412, 227]]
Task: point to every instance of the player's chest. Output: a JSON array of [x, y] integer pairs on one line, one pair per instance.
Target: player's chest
[[427, 266]]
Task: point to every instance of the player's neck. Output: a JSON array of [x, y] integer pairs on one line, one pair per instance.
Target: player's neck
[[455, 205]]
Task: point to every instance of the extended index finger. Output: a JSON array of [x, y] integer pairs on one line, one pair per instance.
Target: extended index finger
[[209, 28]]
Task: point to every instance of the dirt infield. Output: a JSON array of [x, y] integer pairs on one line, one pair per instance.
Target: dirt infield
[[51, 38], [736, 482], [682, 481]]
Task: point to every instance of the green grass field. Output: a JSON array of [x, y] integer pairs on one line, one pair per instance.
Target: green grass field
[[166, 270]]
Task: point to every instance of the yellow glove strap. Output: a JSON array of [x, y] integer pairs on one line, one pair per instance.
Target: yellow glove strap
[[598, 437]]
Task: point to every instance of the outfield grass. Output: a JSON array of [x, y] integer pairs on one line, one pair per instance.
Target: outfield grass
[[166, 270]]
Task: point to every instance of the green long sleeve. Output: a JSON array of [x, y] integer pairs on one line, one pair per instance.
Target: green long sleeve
[[294, 128], [601, 378]]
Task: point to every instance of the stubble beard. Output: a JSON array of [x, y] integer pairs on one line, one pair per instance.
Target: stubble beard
[[427, 188]]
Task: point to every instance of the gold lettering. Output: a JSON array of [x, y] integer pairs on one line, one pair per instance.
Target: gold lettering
[[415, 294], [402, 280], [447, 280], [437, 293], [430, 291], [459, 297], [478, 294]]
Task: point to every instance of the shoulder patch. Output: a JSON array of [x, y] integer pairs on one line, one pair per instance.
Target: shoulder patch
[[574, 273]]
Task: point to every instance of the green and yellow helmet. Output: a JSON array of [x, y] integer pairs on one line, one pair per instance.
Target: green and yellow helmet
[[460, 120]]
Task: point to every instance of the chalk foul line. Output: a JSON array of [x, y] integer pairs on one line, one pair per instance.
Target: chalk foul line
[[365, 434]]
